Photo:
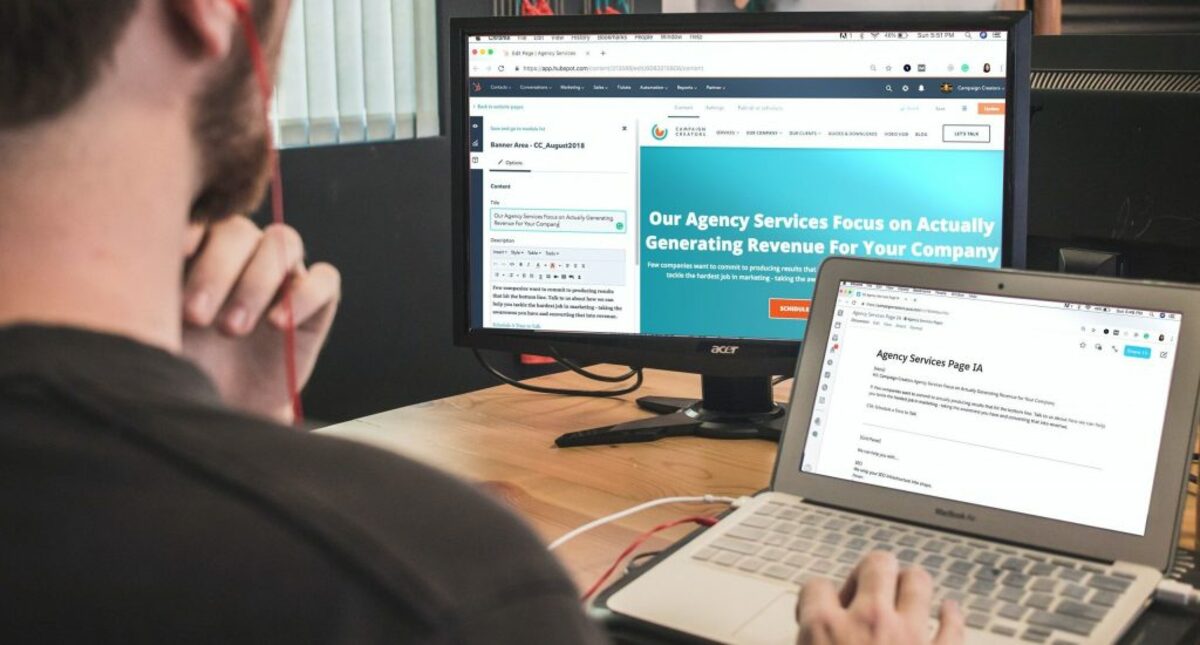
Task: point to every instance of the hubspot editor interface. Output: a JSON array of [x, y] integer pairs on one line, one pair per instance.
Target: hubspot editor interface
[[691, 184]]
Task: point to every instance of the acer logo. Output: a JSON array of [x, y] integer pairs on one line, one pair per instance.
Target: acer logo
[[725, 349]]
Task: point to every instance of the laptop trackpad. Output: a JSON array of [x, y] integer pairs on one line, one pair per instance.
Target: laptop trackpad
[[774, 624], [701, 600]]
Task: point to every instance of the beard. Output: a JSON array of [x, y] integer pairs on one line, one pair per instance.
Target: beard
[[231, 133]]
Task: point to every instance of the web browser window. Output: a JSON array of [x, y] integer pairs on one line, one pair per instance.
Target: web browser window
[[691, 184], [1053, 409]]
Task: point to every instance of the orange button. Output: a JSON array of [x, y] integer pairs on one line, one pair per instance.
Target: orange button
[[789, 308], [991, 108]]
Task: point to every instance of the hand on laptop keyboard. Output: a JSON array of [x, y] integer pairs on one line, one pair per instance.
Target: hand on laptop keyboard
[[879, 604]]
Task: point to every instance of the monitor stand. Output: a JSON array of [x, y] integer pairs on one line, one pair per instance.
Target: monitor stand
[[732, 408]]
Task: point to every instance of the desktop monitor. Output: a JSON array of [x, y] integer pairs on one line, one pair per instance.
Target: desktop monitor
[[1113, 182], [660, 191]]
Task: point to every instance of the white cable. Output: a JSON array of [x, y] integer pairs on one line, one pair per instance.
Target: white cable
[[1177, 593], [703, 499]]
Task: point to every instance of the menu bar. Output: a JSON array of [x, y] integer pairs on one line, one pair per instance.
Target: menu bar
[[1098, 309], [858, 36], [767, 88]]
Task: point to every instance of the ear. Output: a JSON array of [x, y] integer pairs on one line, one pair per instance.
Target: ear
[[211, 24]]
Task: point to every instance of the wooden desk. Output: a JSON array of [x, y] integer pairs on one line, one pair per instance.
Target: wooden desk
[[503, 438]]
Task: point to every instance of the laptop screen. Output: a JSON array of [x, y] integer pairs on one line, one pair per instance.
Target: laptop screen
[[1053, 409]]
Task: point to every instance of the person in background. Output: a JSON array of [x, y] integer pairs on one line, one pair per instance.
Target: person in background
[[149, 489]]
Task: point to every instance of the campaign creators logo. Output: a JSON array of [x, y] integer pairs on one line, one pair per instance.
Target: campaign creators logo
[[658, 133]]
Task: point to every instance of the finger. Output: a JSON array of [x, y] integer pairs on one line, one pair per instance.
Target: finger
[[193, 238], [279, 254], [913, 595], [875, 581], [314, 294], [228, 246], [818, 610], [951, 630]]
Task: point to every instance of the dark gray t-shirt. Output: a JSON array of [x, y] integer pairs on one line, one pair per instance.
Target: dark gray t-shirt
[[134, 507]]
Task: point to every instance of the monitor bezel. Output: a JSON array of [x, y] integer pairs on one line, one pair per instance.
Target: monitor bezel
[[1155, 548], [753, 357]]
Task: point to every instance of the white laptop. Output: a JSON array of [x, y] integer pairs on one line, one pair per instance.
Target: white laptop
[[1024, 437]]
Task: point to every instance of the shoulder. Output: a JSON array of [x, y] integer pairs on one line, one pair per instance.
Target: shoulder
[[430, 540]]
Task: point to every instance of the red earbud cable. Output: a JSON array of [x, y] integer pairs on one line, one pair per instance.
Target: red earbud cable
[[265, 87]]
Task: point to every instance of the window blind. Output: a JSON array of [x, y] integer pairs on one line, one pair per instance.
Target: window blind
[[357, 70]]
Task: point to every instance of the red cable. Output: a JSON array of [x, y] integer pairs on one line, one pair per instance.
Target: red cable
[[265, 89], [641, 539]]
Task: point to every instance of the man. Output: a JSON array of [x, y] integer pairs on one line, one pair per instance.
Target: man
[[148, 492]]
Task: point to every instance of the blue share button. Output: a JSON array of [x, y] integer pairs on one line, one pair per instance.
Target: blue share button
[[1134, 351]]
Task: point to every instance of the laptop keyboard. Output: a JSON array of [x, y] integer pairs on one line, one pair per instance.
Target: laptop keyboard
[[1004, 590]]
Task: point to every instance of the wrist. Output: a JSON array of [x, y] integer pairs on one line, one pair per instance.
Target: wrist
[[284, 415], [281, 414]]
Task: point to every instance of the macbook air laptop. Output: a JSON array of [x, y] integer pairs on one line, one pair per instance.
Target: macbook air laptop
[[1023, 437]]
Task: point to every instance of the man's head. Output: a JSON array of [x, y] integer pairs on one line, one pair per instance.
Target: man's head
[[54, 53]]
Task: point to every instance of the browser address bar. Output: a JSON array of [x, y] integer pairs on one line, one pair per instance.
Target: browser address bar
[[585, 69]]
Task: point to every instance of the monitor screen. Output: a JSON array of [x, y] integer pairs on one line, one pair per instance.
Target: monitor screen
[[933, 392], [688, 184]]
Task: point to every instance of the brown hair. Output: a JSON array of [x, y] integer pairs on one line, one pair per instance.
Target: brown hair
[[52, 52]]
